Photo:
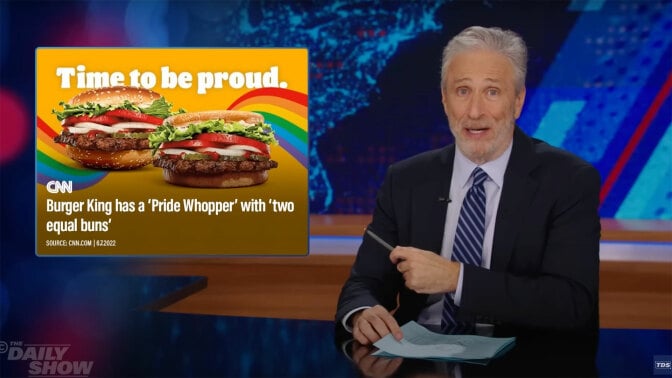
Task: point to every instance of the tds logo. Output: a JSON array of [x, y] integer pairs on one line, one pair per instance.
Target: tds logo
[[662, 365], [59, 186]]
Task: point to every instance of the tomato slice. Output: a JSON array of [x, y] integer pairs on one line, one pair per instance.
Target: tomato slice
[[134, 130], [135, 116], [104, 119], [191, 143], [229, 139], [94, 133], [218, 140], [213, 155]]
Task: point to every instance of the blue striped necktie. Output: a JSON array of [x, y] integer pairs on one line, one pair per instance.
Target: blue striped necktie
[[468, 243]]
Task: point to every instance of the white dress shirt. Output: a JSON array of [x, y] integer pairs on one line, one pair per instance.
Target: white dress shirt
[[459, 185]]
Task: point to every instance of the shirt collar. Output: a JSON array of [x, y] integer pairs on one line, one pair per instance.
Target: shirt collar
[[462, 167]]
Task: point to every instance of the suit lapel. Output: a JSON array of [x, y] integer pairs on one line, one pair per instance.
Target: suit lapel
[[517, 193], [432, 198]]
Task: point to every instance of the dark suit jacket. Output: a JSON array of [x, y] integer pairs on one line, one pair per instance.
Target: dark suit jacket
[[545, 257]]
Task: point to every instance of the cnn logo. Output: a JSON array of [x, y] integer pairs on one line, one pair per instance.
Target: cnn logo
[[59, 186]]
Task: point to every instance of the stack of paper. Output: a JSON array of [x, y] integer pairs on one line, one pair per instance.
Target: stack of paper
[[418, 342]]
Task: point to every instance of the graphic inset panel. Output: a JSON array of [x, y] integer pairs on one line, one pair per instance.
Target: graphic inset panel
[[171, 151]]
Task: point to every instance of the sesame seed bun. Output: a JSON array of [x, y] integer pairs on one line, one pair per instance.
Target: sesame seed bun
[[223, 180], [184, 119], [116, 95], [117, 160]]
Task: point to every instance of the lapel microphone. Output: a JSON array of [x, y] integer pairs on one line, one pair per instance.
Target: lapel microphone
[[444, 200]]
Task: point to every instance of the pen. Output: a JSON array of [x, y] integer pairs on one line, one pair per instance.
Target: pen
[[379, 240]]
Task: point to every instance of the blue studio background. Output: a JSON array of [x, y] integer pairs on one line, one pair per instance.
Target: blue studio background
[[599, 83]]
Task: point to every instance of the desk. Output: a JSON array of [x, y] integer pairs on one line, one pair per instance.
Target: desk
[[125, 341], [198, 345]]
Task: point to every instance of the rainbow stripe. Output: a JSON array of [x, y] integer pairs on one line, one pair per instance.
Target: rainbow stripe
[[287, 111], [51, 162]]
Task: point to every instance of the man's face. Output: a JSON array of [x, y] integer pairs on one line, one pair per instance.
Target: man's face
[[480, 100]]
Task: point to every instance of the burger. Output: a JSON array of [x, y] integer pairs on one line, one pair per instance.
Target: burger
[[214, 149], [107, 128]]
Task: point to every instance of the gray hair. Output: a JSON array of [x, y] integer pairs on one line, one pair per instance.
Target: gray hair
[[505, 42]]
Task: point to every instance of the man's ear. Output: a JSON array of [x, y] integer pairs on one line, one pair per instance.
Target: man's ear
[[520, 100], [443, 98]]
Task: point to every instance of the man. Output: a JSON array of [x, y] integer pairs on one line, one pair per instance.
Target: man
[[537, 223]]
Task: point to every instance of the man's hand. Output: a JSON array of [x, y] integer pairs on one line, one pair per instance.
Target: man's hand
[[372, 324], [424, 271]]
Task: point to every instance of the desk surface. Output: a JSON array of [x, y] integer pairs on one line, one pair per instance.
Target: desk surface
[[155, 344], [97, 318], [612, 229], [166, 344]]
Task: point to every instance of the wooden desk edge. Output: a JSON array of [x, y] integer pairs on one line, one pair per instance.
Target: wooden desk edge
[[175, 296], [612, 229]]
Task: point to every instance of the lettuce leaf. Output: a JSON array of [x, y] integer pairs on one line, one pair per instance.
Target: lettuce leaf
[[167, 133], [159, 108]]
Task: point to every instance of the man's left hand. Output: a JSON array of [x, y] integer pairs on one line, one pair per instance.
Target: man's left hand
[[425, 272]]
